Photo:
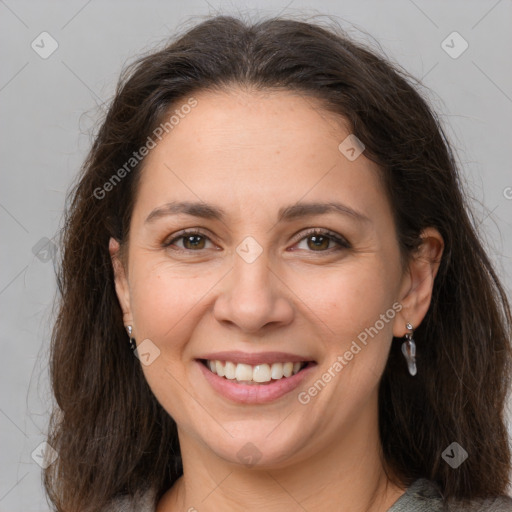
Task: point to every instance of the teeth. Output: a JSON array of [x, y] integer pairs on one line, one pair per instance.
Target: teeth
[[220, 368], [287, 369], [242, 372], [276, 371], [253, 374], [261, 373], [230, 370]]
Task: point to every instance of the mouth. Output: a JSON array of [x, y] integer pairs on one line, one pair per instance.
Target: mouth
[[255, 375], [258, 383]]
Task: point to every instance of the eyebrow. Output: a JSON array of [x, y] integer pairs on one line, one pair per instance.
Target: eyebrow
[[287, 213]]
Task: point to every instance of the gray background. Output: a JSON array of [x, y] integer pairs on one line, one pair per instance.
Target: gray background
[[49, 108]]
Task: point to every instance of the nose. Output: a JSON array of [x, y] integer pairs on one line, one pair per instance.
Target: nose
[[254, 297]]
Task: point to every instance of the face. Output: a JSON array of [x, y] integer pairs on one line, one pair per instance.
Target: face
[[259, 273]]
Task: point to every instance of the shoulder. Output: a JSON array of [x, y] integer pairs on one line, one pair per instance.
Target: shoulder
[[424, 496], [497, 504]]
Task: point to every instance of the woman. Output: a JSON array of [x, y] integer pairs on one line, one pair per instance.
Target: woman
[[273, 296]]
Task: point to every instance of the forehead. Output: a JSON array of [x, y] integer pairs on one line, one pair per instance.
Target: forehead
[[246, 145], [238, 119]]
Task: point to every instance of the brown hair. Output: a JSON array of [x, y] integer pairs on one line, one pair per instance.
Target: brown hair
[[112, 435]]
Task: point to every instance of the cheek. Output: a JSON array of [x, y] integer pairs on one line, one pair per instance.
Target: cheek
[[164, 295], [349, 297], [163, 304], [352, 308]]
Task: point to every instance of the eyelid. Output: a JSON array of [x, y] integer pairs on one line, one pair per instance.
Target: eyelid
[[341, 241]]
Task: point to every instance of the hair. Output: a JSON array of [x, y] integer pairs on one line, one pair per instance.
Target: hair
[[112, 435]]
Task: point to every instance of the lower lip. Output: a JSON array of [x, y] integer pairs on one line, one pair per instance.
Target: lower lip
[[256, 393]]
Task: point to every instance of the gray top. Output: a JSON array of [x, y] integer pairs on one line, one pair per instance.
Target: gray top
[[422, 496]]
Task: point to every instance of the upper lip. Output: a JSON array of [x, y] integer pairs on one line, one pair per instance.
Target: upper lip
[[255, 358]]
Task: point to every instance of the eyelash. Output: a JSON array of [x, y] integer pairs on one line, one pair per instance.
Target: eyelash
[[342, 243]]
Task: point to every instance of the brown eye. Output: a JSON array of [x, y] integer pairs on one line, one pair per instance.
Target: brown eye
[[320, 241], [192, 241]]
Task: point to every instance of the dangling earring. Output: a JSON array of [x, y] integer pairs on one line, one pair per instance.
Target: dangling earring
[[133, 345], [409, 351]]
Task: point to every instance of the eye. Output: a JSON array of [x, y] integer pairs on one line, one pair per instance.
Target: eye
[[192, 240], [319, 240]]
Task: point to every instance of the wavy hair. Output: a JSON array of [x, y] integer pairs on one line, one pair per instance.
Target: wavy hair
[[112, 435]]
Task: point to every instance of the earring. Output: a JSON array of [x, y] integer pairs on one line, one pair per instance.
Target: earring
[[409, 350], [133, 345]]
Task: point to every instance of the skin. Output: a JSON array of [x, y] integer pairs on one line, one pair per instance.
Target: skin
[[252, 153]]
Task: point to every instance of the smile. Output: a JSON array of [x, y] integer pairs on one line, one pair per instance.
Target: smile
[[254, 374], [254, 384]]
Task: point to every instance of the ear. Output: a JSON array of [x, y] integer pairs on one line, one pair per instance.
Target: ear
[[418, 282], [121, 281]]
